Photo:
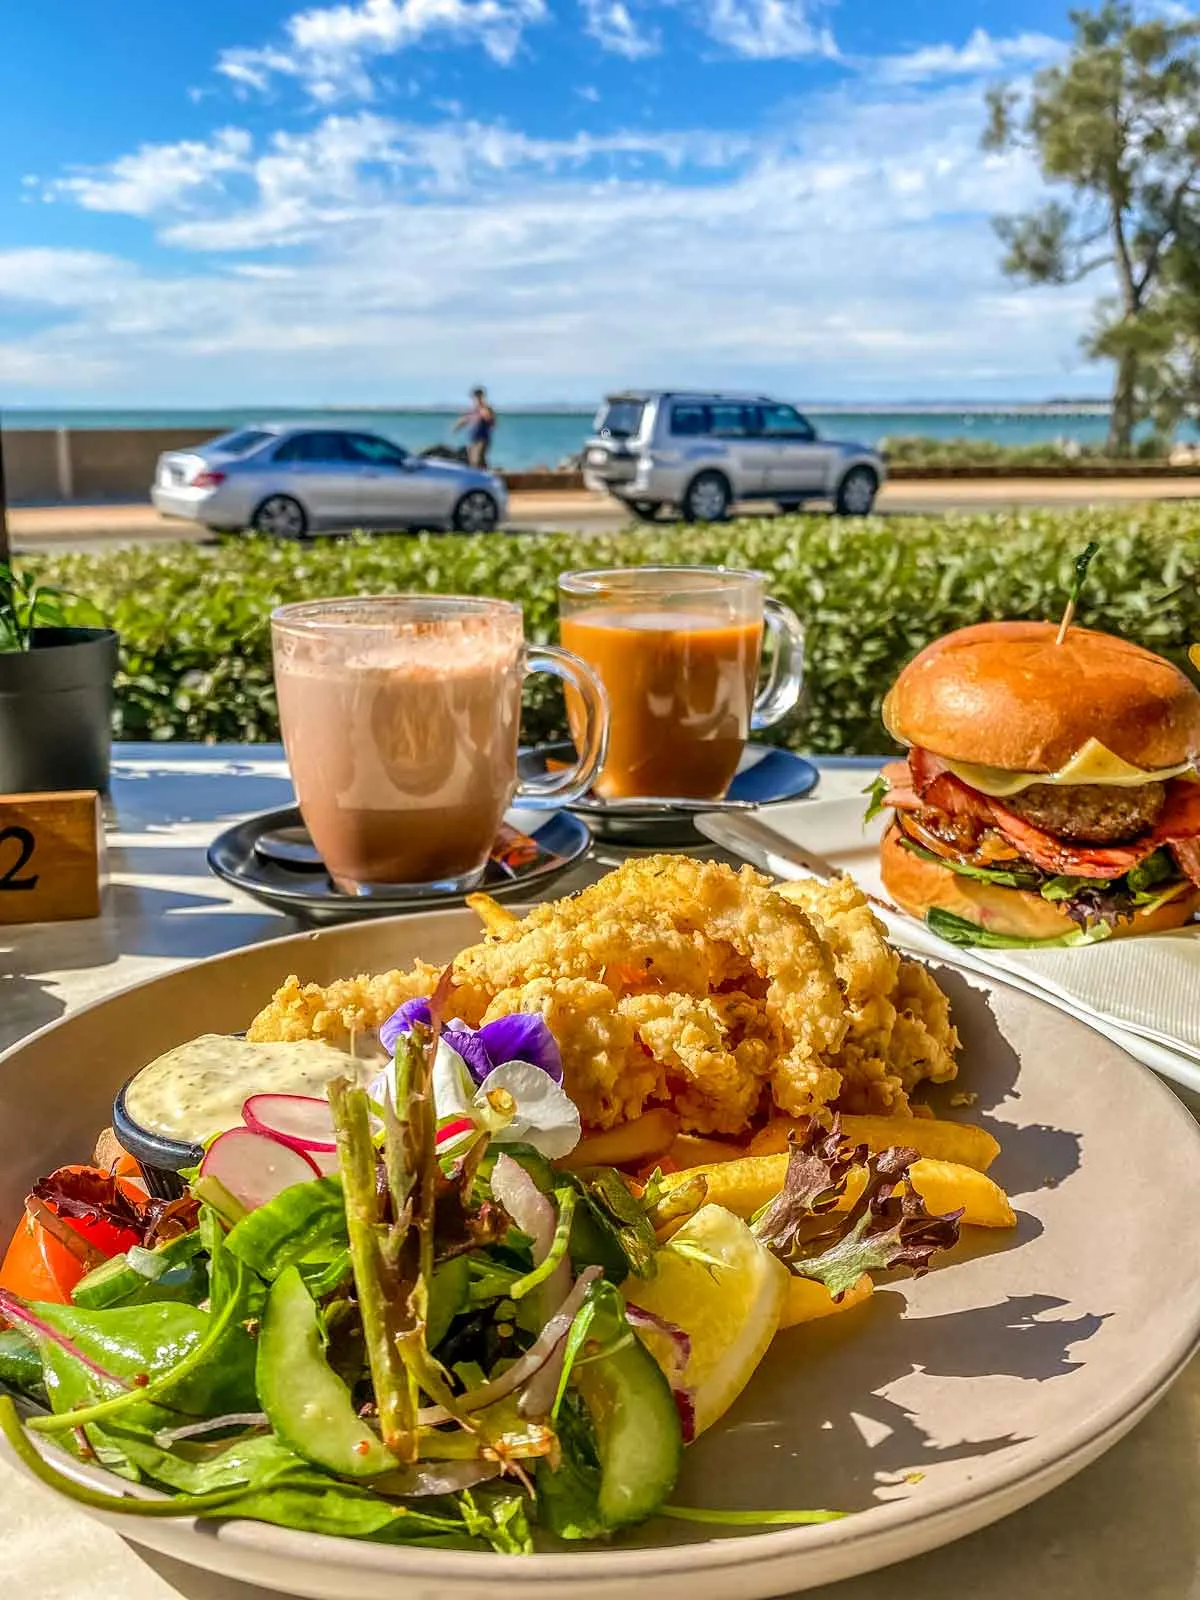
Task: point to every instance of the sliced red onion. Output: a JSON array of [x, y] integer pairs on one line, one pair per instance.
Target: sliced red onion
[[440, 1477], [299, 1120], [681, 1354], [539, 1394], [534, 1214], [166, 1437], [681, 1342], [686, 1406], [255, 1168], [538, 1354], [525, 1203], [454, 1129], [15, 1310]]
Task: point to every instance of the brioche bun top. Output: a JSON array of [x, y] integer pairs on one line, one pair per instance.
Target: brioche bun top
[[1004, 694]]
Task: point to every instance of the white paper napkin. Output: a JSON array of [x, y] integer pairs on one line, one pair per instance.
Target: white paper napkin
[[1150, 985]]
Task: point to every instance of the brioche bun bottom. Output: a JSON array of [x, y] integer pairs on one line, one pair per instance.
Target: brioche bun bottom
[[916, 885]]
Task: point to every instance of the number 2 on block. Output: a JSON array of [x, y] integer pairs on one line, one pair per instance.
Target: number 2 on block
[[10, 876]]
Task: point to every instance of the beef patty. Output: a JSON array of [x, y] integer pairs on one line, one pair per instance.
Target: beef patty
[[1090, 813]]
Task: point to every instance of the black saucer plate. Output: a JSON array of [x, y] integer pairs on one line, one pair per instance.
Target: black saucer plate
[[766, 776], [271, 857]]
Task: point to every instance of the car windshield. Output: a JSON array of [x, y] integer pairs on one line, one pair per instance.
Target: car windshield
[[619, 419], [240, 443]]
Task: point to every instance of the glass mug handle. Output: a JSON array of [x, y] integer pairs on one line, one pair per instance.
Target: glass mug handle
[[578, 778], [786, 678]]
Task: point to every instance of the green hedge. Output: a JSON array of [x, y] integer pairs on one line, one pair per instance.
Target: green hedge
[[920, 450], [196, 658]]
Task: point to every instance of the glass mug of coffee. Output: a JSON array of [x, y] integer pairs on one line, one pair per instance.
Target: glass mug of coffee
[[400, 717], [678, 650]]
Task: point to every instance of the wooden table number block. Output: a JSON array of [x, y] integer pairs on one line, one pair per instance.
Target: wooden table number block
[[50, 856]]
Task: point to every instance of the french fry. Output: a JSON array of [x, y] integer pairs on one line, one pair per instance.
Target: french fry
[[743, 1186], [808, 1300], [495, 917], [740, 1186], [633, 1144], [960, 1142], [690, 1150], [944, 1186]]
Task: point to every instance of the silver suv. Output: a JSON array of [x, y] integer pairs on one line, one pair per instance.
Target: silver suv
[[701, 452]]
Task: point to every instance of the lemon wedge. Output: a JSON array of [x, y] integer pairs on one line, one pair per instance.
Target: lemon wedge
[[727, 1292]]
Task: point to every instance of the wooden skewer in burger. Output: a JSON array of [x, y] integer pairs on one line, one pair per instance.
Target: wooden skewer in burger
[[1051, 791]]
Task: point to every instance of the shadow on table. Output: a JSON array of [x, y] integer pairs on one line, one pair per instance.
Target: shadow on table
[[160, 797], [25, 1004], [1032, 1155], [820, 1400], [140, 920]]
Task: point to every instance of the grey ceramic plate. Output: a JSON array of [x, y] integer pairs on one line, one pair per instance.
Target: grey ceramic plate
[[271, 857], [766, 776], [938, 1407]]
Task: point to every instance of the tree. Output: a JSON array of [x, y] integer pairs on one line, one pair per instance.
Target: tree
[[1117, 126]]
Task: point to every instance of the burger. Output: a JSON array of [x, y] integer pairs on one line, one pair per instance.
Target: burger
[[1051, 792]]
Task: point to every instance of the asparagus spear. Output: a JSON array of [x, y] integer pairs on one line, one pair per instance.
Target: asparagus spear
[[374, 1256]]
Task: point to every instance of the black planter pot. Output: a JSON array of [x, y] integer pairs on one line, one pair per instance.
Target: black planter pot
[[56, 711]]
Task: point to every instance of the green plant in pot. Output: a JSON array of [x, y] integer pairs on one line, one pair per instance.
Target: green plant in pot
[[57, 665]]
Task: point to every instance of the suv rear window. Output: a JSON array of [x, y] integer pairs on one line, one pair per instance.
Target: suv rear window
[[240, 444], [620, 419]]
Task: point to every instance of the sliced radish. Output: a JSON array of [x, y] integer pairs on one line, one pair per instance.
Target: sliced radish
[[255, 1168], [454, 1129], [299, 1120], [325, 1161]]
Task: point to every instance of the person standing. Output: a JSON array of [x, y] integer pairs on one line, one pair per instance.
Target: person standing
[[480, 422]]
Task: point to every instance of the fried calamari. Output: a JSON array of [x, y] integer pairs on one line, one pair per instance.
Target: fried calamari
[[687, 983]]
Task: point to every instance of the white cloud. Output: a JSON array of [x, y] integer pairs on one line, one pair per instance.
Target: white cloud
[[331, 49], [847, 252], [345, 169], [61, 277], [589, 92], [765, 30], [611, 24], [157, 175], [981, 54]]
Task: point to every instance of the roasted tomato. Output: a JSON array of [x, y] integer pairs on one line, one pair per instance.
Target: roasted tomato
[[37, 1267], [76, 1218]]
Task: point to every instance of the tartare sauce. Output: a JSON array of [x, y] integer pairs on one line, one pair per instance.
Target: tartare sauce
[[197, 1089]]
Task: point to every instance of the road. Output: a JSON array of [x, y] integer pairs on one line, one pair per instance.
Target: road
[[67, 528]]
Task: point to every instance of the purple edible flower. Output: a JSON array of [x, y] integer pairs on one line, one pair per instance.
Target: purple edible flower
[[523, 1036]]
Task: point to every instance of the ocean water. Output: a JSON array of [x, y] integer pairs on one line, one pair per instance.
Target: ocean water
[[526, 439]]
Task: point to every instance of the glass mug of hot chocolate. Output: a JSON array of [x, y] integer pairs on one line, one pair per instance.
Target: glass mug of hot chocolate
[[400, 717], [679, 652]]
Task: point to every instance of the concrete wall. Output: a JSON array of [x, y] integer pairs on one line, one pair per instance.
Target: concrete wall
[[88, 465]]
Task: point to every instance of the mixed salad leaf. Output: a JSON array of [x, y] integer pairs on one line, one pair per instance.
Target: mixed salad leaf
[[425, 1339], [1096, 905]]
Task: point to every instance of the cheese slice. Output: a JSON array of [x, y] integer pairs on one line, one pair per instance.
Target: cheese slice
[[1093, 763]]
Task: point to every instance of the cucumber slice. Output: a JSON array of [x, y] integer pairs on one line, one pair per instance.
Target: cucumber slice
[[171, 1271], [307, 1404], [638, 1436]]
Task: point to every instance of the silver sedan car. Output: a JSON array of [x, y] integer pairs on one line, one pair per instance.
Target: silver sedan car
[[291, 481]]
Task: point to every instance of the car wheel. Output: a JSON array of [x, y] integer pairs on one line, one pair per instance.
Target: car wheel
[[476, 512], [856, 493], [280, 517], [707, 498]]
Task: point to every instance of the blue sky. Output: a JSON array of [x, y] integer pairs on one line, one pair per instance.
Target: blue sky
[[382, 201]]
